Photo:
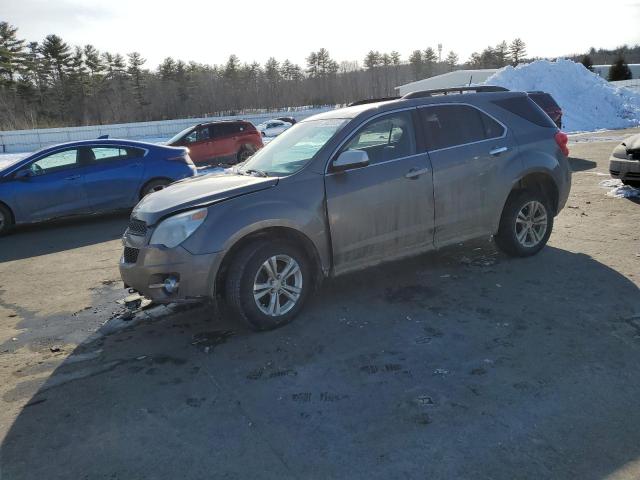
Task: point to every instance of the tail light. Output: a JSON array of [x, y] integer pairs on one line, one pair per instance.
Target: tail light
[[562, 139], [182, 157]]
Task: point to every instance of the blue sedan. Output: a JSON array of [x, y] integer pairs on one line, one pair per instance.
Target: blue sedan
[[85, 177]]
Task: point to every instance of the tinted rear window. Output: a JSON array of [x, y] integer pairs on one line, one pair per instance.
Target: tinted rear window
[[222, 129], [450, 125], [526, 108], [545, 100]]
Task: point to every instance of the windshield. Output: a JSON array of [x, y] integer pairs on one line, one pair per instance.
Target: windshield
[[293, 149], [178, 136]]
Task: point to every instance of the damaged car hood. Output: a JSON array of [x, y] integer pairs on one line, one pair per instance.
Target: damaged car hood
[[197, 192]]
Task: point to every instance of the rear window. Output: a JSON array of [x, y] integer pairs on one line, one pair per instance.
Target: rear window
[[545, 100], [222, 129], [450, 125], [526, 108]]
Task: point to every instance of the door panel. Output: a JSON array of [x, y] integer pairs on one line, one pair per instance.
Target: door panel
[[465, 172], [383, 210], [113, 177], [56, 188]]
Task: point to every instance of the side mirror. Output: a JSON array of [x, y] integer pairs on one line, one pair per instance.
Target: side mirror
[[350, 159], [23, 174]]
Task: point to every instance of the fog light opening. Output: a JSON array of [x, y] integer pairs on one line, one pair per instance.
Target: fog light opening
[[171, 284]]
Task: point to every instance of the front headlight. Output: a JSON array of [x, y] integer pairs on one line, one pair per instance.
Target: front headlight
[[176, 229]]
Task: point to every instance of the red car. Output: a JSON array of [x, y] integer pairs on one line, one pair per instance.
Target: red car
[[549, 105], [220, 142]]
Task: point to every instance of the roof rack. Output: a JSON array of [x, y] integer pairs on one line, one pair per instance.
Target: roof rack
[[446, 91], [372, 100]]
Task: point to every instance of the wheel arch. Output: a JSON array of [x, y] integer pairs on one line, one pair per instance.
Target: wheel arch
[[10, 210], [285, 233], [153, 179]]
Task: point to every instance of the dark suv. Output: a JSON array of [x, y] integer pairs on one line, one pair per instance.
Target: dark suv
[[351, 188], [220, 142], [547, 103]]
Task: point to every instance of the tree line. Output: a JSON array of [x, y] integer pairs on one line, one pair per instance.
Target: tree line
[[51, 83]]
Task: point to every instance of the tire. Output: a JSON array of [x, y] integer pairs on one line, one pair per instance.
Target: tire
[[152, 185], [249, 273], [244, 153], [6, 220], [523, 231], [632, 183]]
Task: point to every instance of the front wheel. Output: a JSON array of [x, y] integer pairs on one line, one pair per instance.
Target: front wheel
[[5, 220], [267, 284], [153, 186], [525, 225]]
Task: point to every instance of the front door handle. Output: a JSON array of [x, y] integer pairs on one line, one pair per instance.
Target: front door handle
[[416, 172], [498, 150], [73, 177]]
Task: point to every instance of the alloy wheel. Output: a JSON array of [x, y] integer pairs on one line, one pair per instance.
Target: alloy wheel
[[277, 286], [531, 224]]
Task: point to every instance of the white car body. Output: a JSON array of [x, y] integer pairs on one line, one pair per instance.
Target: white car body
[[273, 128]]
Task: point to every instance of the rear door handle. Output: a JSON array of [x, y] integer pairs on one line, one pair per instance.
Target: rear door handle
[[73, 177], [415, 173], [498, 150]]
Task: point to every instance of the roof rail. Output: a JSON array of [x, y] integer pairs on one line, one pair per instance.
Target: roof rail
[[446, 91], [372, 100]]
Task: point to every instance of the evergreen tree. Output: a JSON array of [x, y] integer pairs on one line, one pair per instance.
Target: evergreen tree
[[11, 53], [136, 75], [452, 60], [415, 60], [502, 54], [57, 57], [587, 62], [429, 59], [517, 51], [619, 70]]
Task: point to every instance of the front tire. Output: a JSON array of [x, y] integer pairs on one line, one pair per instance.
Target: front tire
[[6, 220], [267, 284], [525, 225], [632, 183]]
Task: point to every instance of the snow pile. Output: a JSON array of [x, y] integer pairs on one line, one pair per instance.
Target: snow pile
[[588, 101], [619, 190]]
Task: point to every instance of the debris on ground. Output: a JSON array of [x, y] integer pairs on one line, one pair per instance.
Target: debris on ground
[[208, 340], [55, 348], [441, 371]]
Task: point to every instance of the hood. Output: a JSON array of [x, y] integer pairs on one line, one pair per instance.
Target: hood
[[197, 192], [10, 159], [632, 143]]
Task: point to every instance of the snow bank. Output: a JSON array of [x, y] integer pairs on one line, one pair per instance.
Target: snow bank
[[619, 190], [588, 101]]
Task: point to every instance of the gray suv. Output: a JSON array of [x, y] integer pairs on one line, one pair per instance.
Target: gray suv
[[351, 188]]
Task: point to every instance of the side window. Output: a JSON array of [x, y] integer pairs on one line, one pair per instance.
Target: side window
[[492, 129], [202, 134], [191, 137], [451, 125], [107, 153], [55, 162], [385, 138]]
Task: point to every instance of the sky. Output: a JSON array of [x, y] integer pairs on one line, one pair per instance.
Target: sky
[[208, 31]]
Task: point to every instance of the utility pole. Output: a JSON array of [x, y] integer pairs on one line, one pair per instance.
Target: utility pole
[[439, 52]]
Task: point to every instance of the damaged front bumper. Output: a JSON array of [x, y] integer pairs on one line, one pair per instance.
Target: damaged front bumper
[[167, 275]]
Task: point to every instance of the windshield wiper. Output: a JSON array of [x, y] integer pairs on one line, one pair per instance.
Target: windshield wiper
[[251, 171]]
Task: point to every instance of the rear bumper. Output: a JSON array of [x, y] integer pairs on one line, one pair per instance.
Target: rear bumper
[[624, 169], [147, 270]]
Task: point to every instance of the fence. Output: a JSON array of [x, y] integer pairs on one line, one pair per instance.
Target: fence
[[16, 141]]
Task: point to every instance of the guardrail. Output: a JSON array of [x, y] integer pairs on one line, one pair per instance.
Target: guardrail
[[17, 141]]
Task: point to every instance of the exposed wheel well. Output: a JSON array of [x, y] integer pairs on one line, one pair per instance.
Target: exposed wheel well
[[273, 233], [12, 215], [146, 184], [542, 183]]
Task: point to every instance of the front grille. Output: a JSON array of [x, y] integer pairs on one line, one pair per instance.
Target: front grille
[[137, 227], [130, 255]]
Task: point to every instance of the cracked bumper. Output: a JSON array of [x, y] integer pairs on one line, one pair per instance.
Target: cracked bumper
[[153, 265]]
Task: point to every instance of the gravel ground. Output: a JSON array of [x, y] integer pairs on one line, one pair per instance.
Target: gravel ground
[[456, 364]]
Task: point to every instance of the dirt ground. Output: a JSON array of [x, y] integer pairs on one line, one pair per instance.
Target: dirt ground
[[457, 364]]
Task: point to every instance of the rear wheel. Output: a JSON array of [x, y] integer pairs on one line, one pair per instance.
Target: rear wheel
[[6, 220], [244, 153], [152, 186], [526, 224], [267, 284]]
